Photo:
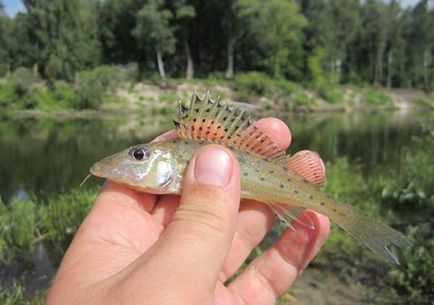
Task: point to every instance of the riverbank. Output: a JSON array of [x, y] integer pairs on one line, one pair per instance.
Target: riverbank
[[102, 96]]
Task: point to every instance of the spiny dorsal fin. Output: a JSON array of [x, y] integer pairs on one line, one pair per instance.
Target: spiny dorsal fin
[[213, 121]]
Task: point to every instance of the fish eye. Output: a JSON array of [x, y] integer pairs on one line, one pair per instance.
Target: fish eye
[[139, 153]]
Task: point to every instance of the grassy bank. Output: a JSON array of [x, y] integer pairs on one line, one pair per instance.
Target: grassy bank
[[402, 197], [114, 89]]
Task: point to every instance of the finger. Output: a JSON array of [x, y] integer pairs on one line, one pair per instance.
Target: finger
[[276, 130], [254, 219], [272, 273], [114, 194], [203, 226], [309, 165], [165, 208]]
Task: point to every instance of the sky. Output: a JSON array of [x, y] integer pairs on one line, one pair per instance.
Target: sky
[[14, 6]]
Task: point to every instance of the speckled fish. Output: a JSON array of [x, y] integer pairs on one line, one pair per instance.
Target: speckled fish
[[266, 174]]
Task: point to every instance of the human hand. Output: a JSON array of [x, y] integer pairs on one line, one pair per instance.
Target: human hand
[[137, 248]]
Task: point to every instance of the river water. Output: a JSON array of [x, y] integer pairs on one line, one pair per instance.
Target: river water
[[43, 157]]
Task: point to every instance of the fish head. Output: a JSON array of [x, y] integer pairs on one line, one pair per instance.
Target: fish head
[[145, 167]]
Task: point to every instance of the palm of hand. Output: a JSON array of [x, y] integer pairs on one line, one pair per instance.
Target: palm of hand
[[124, 225]]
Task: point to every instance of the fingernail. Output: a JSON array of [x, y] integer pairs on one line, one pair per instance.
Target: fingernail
[[213, 166]]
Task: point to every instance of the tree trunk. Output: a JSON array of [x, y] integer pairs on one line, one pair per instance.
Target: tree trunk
[[230, 68], [338, 71], [160, 64], [190, 67], [389, 69], [426, 63], [35, 70]]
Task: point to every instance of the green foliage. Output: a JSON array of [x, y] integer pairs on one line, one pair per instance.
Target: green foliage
[[377, 97], [16, 295], [17, 231], [8, 94], [64, 36], [255, 83], [153, 28], [277, 27], [92, 86], [61, 216], [376, 42], [24, 80], [300, 98], [406, 188], [154, 32], [426, 101], [12, 297], [331, 94], [415, 282], [414, 182], [315, 64]]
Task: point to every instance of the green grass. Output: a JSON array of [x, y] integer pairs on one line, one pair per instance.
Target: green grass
[[426, 101], [377, 97], [16, 295], [331, 95], [60, 217], [256, 83], [8, 96], [17, 232], [94, 88]]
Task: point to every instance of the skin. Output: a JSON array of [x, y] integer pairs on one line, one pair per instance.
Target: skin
[[137, 248]]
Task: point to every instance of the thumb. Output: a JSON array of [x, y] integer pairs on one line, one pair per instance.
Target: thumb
[[204, 224]]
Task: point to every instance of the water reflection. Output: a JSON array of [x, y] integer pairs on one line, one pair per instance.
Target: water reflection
[[41, 157]]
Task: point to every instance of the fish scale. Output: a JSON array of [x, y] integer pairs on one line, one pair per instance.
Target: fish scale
[[267, 175]]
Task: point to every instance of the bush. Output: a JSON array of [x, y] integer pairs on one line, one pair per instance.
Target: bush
[[426, 101], [92, 86], [8, 94], [414, 181], [300, 98], [286, 86], [331, 95], [257, 83], [415, 282], [24, 80], [377, 97]]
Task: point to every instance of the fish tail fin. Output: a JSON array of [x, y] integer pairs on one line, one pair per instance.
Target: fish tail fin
[[372, 233]]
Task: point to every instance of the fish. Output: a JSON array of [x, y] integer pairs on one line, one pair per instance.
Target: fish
[[267, 173]]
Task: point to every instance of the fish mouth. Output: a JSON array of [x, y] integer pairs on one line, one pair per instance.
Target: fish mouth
[[97, 170]]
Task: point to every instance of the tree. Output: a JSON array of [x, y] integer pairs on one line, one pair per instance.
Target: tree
[[4, 43], [184, 13], [2, 9], [65, 39], [332, 27], [116, 20], [372, 40], [422, 44], [153, 31], [396, 45], [276, 26]]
